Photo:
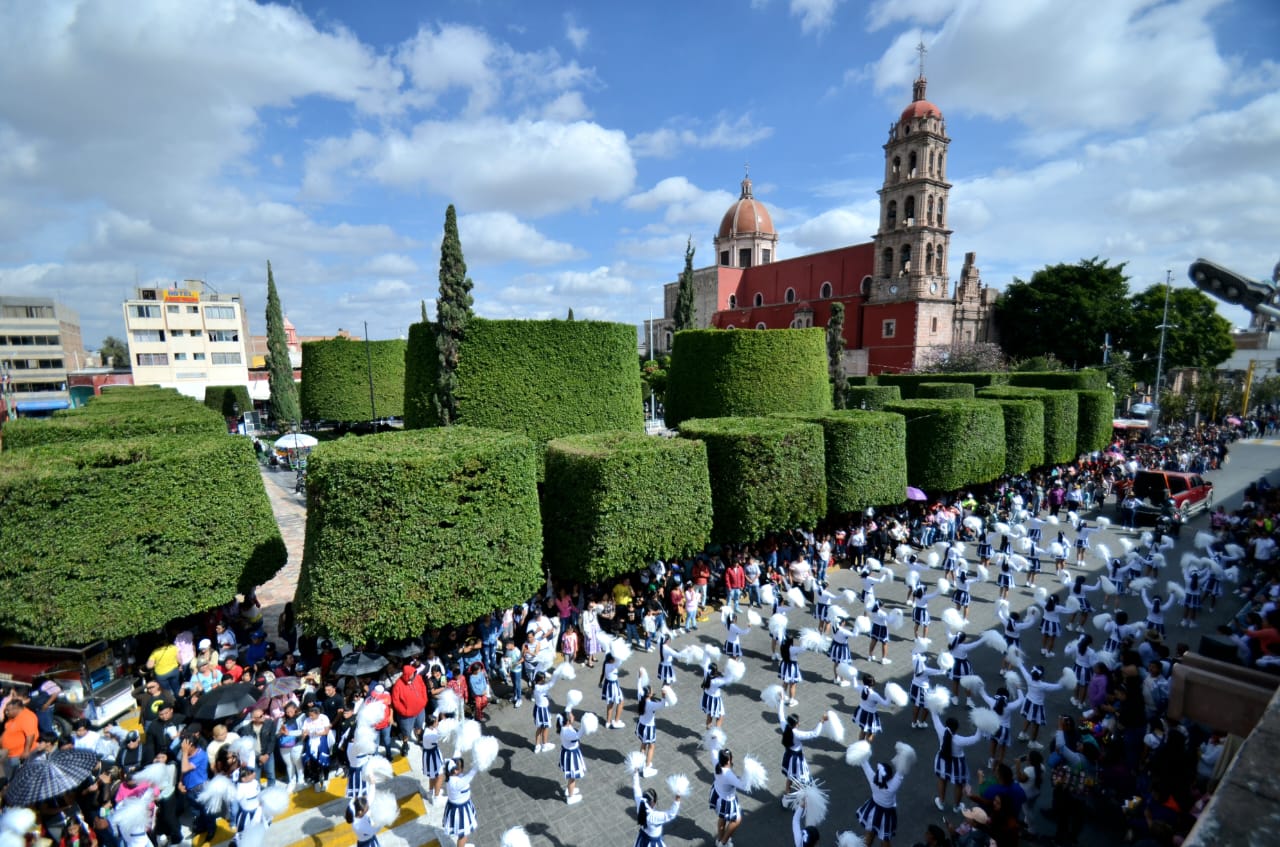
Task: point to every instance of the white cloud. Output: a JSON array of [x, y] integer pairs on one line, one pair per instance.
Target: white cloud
[[566, 108], [577, 35], [723, 135], [454, 56], [602, 280], [492, 237], [683, 204], [814, 15], [833, 228], [390, 264], [1130, 61]]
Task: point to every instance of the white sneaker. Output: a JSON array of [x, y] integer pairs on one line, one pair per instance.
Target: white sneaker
[[991, 763], [648, 772], [574, 798], [1035, 745], [518, 705], [1022, 736], [886, 661], [844, 683], [937, 802], [793, 702], [955, 701], [959, 808]]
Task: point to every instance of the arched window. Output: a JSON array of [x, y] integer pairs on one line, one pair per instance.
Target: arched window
[[825, 291], [928, 258], [733, 301], [759, 299], [933, 325], [941, 212], [866, 283], [911, 165], [930, 215], [790, 296], [730, 326], [668, 341], [904, 266], [930, 161], [897, 166], [886, 262], [761, 325], [891, 218], [909, 209]]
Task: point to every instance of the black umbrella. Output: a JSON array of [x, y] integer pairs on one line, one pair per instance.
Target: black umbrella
[[407, 650], [359, 663], [50, 776], [226, 701]]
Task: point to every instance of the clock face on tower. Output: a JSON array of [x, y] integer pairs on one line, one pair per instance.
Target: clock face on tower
[[933, 289], [893, 289]]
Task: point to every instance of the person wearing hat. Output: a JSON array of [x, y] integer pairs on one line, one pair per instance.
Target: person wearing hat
[[205, 653], [256, 651], [132, 756]]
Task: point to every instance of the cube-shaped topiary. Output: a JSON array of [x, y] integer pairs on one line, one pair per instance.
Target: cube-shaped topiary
[[1023, 434], [1086, 379], [614, 501], [872, 398], [132, 414], [910, 383], [766, 474], [731, 373], [866, 457], [224, 399], [1061, 417], [336, 378], [944, 391], [1097, 411], [952, 443], [107, 539], [418, 529]]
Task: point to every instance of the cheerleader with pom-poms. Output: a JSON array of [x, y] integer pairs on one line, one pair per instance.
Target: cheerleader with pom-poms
[[733, 632], [666, 659], [920, 611], [363, 824], [1004, 707], [726, 786], [789, 670], [1155, 611], [1081, 591], [650, 818], [868, 715], [984, 550], [713, 683], [433, 732], [1050, 625], [541, 697], [1004, 579], [949, 764], [610, 687], [959, 647], [920, 673], [459, 810], [878, 815], [952, 560], [1033, 564], [1193, 590], [839, 651], [879, 634], [652, 702], [1033, 705], [794, 767], [572, 763], [822, 600], [960, 596]]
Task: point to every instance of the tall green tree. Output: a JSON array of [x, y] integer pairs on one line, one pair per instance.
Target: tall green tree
[[570, 316], [1067, 311], [1197, 336], [453, 313], [683, 316], [284, 391], [113, 348], [835, 353]]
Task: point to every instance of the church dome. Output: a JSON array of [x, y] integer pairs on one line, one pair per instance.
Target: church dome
[[919, 107], [746, 215]]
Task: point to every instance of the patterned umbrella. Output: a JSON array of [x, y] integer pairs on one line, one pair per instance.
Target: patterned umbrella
[[281, 686], [51, 776], [359, 664]]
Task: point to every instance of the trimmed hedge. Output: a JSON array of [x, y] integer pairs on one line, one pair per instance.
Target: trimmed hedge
[[910, 383], [944, 391], [871, 397], [418, 529], [107, 539], [866, 457], [952, 444], [335, 379], [420, 368], [223, 399], [1097, 411], [1023, 435], [545, 379], [614, 501], [124, 416], [1082, 380], [1061, 413], [726, 373], [859, 381], [766, 473]]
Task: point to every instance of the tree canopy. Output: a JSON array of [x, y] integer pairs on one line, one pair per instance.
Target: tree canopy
[[1197, 337], [1065, 310], [453, 313], [285, 407], [683, 316]]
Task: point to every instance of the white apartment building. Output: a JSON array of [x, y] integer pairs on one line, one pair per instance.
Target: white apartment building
[[39, 343], [187, 337]]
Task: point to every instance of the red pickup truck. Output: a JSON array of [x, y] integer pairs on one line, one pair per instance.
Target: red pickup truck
[[1191, 493]]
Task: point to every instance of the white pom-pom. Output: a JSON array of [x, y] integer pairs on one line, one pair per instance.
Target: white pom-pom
[[590, 723], [734, 670], [932, 558], [983, 573], [753, 774], [944, 586], [811, 640], [448, 703], [973, 522], [874, 565], [620, 650], [485, 751], [218, 795], [848, 839], [1066, 577], [1057, 550], [857, 753], [1142, 583], [985, 720], [1176, 591], [573, 699], [1232, 574], [946, 661], [848, 672], [134, 814], [953, 619], [838, 614], [466, 736], [1018, 563], [274, 800], [1101, 620], [772, 695], [768, 594], [1072, 605], [1052, 519], [795, 598], [778, 626], [1126, 545], [669, 694], [1234, 551], [753, 618], [712, 652], [861, 625], [713, 739], [886, 575], [378, 770], [447, 727], [1002, 528], [1071, 645], [1068, 679], [1167, 542], [938, 699], [1074, 517], [371, 713], [1026, 545], [383, 809], [1108, 587], [642, 683], [1012, 680], [896, 620], [994, 639], [1106, 657], [1204, 540], [912, 579], [726, 613], [971, 682], [635, 760], [678, 783], [895, 694], [1042, 595], [1102, 522], [902, 552], [904, 757], [20, 820], [851, 596], [833, 727], [1013, 655], [691, 655], [515, 837], [1189, 561], [1103, 553], [158, 776], [813, 797], [922, 644]]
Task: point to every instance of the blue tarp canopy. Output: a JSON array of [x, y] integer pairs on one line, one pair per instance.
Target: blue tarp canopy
[[41, 405]]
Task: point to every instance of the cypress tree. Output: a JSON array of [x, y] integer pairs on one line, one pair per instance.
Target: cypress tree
[[284, 391], [683, 316], [835, 351], [453, 313], [570, 317]]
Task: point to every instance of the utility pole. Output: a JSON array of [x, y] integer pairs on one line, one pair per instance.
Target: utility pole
[[368, 358], [1248, 384], [1164, 328]]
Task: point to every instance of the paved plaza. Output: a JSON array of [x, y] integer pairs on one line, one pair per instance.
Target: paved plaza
[[524, 788]]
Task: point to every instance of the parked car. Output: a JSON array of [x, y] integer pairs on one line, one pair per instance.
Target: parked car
[[92, 685], [1190, 492]]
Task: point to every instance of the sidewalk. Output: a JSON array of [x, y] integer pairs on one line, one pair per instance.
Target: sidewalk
[[290, 510]]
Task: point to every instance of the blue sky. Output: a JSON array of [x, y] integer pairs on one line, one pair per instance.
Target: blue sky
[[582, 143]]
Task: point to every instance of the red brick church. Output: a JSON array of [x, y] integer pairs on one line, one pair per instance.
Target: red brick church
[[901, 310]]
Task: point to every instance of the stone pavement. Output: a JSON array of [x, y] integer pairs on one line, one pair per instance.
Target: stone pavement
[[290, 510]]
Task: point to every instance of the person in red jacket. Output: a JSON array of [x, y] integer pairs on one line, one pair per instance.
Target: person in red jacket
[[701, 576], [409, 701], [735, 579], [378, 692]]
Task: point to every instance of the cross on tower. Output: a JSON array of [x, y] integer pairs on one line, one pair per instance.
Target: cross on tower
[[921, 49]]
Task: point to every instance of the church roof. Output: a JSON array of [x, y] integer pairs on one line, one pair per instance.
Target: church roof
[[746, 215], [919, 107]]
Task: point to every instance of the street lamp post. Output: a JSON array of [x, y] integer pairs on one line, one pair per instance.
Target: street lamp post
[[1164, 328]]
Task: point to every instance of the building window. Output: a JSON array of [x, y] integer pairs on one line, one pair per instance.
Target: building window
[[199, 357], [905, 253], [724, 258], [825, 291], [930, 214], [220, 313], [195, 333], [226, 358], [144, 311], [790, 296], [152, 359], [172, 309], [179, 357], [909, 210], [193, 310], [928, 258], [761, 325], [891, 217], [866, 283], [733, 301], [27, 312], [759, 299], [941, 207], [933, 325], [30, 340], [223, 335], [176, 333], [744, 257], [669, 339], [765, 256], [731, 326], [148, 336], [888, 328]]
